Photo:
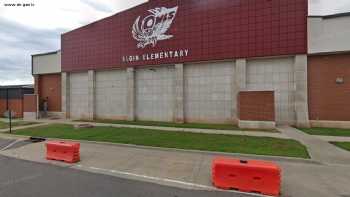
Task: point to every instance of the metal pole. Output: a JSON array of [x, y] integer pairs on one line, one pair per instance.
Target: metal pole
[[8, 110], [10, 117], [7, 99]]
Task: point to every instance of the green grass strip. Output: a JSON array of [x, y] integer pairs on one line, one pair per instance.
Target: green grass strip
[[177, 125], [343, 145], [326, 131], [170, 139]]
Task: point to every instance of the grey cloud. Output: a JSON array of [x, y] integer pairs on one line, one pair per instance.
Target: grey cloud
[[344, 7], [27, 37], [97, 6], [15, 59], [326, 7], [315, 7], [8, 64], [18, 42]]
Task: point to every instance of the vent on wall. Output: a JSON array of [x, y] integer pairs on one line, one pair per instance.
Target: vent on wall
[[340, 80]]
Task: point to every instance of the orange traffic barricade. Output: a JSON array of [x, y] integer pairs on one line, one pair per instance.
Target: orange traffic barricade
[[68, 152], [247, 176]]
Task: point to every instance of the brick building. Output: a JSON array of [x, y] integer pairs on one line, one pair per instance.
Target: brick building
[[11, 98], [246, 62], [46, 69], [329, 70]]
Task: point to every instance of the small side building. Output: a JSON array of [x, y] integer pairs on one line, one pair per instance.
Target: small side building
[[329, 70], [46, 70]]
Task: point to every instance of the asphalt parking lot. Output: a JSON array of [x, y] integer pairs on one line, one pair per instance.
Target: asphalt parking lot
[[5, 142], [30, 179]]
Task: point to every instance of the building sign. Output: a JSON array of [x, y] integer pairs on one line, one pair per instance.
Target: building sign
[[152, 29], [154, 26], [183, 31], [157, 56]]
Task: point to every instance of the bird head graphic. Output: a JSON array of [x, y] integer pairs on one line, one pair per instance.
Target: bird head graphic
[[153, 27]]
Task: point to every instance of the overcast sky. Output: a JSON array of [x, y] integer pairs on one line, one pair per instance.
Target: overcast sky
[[31, 30]]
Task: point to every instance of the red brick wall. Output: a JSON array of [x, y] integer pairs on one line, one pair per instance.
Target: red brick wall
[[29, 103], [36, 84], [2, 107], [50, 86], [209, 29], [16, 105], [256, 105], [327, 99]]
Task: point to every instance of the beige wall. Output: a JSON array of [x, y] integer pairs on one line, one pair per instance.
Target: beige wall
[[328, 34], [79, 94], [208, 92], [47, 64], [111, 94], [276, 75], [155, 93]]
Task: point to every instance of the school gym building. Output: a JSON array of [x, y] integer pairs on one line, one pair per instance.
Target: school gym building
[[215, 61]]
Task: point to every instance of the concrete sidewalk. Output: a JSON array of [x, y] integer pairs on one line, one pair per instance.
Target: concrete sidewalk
[[319, 149], [333, 138], [24, 127], [301, 178]]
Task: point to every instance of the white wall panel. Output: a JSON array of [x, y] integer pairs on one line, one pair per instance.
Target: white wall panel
[[155, 93], [328, 34], [111, 94], [78, 95], [277, 75], [47, 64], [208, 92]]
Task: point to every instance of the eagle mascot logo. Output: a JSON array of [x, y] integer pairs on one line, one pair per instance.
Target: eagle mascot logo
[[154, 26]]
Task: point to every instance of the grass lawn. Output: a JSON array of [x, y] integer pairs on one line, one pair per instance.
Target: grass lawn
[[177, 125], [343, 145], [5, 125], [169, 139], [327, 131]]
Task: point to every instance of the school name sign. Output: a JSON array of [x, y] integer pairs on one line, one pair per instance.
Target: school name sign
[[173, 54], [151, 30]]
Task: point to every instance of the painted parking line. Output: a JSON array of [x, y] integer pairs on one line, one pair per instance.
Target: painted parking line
[[10, 145]]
